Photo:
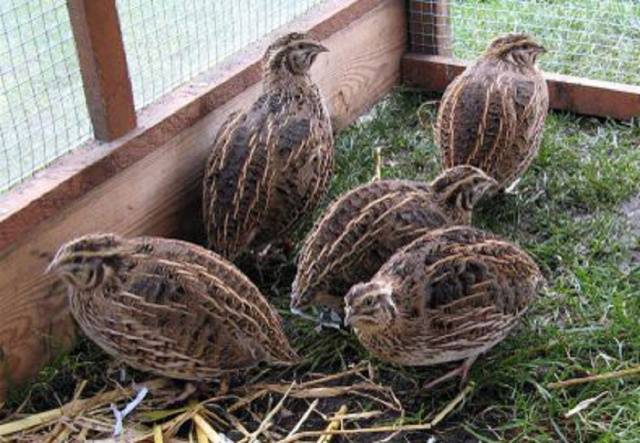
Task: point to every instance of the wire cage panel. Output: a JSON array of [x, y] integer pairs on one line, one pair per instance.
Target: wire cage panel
[[42, 106], [598, 39], [170, 42]]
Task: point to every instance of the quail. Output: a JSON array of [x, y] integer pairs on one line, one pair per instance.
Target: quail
[[450, 295], [492, 115], [169, 307], [270, 164], [366, 225]]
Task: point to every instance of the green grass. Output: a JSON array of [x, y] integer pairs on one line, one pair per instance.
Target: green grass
[[566, 215]]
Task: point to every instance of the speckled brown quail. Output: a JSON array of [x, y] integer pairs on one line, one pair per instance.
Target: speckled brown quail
[[271, 164], [492, 115], [365, 226], [169, 307], [450, 295]]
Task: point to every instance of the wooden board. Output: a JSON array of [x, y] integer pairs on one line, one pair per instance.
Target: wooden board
[[149, 182], [103, 65], [566, 93]]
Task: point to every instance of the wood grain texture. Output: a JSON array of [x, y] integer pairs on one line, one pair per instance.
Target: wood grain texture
[[566, 93], [149, 182], [103, 65], [73, 175]]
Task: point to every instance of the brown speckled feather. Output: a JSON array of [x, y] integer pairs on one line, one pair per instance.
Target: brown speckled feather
[[269, 165], [174, 309], [492, 116], [456, 292], [366, 225]]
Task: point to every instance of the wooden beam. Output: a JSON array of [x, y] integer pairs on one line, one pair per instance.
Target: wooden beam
[[103, 65], [566, 93], [430, 27], [148, 182]]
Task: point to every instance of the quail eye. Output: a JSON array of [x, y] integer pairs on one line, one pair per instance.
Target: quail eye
[[368, 302]]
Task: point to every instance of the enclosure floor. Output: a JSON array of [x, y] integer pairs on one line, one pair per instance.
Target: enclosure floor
[[573, 213]]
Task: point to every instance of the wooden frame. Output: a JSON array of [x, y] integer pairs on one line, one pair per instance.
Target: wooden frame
[[103, 65], [148, 181], [566, 93], [431, 66]]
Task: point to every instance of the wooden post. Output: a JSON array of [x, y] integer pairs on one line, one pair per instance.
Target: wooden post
[[429, 27], [103, 64]]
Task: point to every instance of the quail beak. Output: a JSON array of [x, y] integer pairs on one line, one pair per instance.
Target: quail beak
[[316, 48], [320, 48], [542, 50]]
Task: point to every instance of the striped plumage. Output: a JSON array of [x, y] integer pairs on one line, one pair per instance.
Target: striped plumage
[[450, 295], [271, 164], [492, 115], [169, 307], [365, 226]]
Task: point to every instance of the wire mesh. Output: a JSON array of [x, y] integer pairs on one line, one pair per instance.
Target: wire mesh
[[43, 112], [597, 39], [170, 42], [42, 107]]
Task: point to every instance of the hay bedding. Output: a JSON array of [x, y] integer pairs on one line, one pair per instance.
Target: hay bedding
[[316, 408]]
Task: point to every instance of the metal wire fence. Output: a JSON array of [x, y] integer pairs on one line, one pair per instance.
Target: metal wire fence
[[169, 42], [597, 39], [42, 107], [43, 113]]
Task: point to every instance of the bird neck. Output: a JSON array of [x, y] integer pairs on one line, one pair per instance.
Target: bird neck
[[455, 202], [278, 81], [456, 214], [514, 64]]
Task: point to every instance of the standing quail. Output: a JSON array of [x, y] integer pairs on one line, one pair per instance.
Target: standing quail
[[450, 295], [365, 226], [270, 165], [492, 115], [169, 307]]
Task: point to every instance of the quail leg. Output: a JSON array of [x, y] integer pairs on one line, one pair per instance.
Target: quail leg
[[225, 382], [511, 189], [119, 369], [187, 391], [119, 415], [321, 317], [271, 255], [462, 371], [287, 246], [329, 319]]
